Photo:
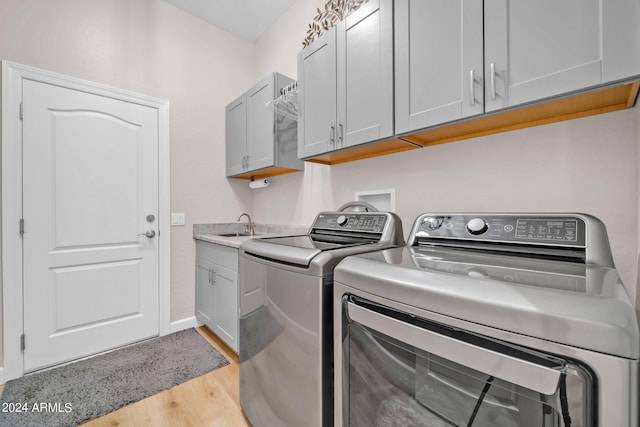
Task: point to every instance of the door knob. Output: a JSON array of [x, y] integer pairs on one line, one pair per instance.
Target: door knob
[[150, 234]]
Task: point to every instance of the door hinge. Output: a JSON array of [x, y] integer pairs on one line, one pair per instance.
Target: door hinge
[[22, 345], [21, 227], [21, 111]]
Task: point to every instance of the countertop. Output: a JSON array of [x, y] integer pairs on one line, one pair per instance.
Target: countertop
[[212, 232]]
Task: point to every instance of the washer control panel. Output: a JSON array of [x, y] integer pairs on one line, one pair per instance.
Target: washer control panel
[[538, 229], [351, 221]]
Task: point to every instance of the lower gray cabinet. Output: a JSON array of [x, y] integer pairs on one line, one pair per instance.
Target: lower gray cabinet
[[217, 290]]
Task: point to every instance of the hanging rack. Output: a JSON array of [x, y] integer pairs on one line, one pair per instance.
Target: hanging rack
[[287, 103]]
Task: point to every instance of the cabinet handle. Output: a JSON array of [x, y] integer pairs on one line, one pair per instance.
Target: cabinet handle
[[341, 133], [213, 276], [332, 133], [472, 93], [247, 162], [493, 81], [210, 281]]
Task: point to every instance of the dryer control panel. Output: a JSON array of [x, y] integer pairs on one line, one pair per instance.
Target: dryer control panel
[[370, 222], [549, 229]]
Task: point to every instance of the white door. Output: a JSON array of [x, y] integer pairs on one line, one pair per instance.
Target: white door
[[90, 186]]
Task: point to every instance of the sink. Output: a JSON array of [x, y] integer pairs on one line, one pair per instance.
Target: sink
[[234, 235]]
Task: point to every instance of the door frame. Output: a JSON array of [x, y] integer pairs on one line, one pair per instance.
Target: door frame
[[12, 251]]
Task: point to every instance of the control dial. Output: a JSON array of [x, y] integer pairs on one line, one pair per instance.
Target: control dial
[[477, 226], [432, 222], [342, 220]]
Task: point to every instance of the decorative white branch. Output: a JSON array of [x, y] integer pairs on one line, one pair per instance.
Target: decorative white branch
[[334, 12]]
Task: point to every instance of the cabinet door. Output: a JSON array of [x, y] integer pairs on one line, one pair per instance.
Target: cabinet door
[[439, 62], [365, 74], [204, 293], [236, 136], [260, 129], [317, 96], [225, 309], [538, 49], [620, 39]]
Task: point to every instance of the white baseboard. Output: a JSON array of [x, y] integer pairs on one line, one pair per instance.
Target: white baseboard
[[1, 376], [180, 325]]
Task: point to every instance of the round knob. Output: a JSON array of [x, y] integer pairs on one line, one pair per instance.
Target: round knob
[[342, 220], [432, 222], [477, 226]]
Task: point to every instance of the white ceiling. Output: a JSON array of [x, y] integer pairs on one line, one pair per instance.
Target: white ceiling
[[247, 19]]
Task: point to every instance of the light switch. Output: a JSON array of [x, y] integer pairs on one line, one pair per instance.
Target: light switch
[[177, 219]]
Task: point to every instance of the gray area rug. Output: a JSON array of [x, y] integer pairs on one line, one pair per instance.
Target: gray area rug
[[78, 392]]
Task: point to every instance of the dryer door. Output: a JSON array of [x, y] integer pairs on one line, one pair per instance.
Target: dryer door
[[404, 370]]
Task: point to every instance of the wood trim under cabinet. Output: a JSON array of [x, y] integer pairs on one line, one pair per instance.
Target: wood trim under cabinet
[[364, 151], [633, 94], [265, 173], [598, 101], [605, 100]]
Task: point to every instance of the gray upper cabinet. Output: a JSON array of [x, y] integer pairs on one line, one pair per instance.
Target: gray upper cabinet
[[260, 123], [461, 58], [345, 81], [260, 143], [236, 137], [439, 62], [535, 50], [317, 96]]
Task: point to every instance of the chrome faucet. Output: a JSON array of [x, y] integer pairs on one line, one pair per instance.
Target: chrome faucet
[[250, 224]]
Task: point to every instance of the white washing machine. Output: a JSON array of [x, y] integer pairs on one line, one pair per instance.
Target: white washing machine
[[487, 320]]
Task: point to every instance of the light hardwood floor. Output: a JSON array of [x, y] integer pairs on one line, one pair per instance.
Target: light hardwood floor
[[209, 400]]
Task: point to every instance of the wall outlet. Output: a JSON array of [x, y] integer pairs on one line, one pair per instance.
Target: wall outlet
[[177, 219]]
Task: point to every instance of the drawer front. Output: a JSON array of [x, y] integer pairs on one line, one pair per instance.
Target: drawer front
[[219, 254]]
